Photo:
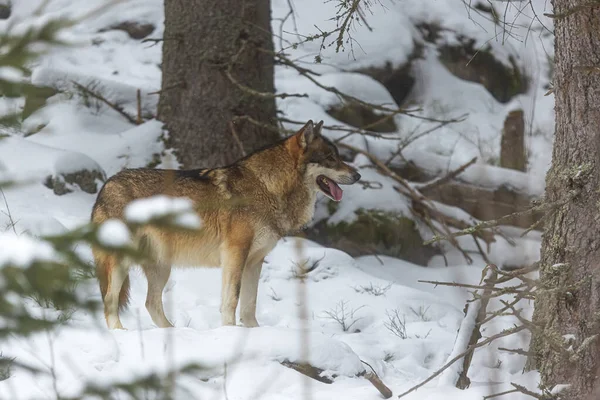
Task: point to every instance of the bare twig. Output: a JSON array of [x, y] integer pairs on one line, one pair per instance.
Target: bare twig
[[178, 85], [412, 138], [573, 10], [346, 97], [263, 95], [11, 222], [138, 121], [236, 138], [491, 396], [447, 178], [263, 125], [545, 207], [256, 93], [528, 392], [520, 352]]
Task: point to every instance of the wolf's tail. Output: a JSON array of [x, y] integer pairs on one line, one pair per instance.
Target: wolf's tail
[[105, 266], [106, 263]]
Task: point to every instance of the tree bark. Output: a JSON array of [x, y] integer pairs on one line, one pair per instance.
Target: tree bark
[[568, 299], [199, 103]]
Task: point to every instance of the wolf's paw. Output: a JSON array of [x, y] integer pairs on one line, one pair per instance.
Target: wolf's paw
[[114, 323], [249, 322]]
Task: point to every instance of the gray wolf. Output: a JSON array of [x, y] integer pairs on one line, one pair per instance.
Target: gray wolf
[[245, 208]]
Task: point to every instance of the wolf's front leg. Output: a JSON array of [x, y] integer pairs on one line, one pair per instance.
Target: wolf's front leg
[[233, 259], [250, 278]]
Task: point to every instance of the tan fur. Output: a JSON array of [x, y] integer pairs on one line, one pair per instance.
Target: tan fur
[[245, 209]]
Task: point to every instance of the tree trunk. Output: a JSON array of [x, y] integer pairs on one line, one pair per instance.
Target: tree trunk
[[568, 300], [206, 113]]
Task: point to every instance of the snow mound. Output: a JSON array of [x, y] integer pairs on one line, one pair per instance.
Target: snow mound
[[24, 159]]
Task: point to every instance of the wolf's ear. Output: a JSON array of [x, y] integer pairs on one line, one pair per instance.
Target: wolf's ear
[[305, 135], [318, 128]]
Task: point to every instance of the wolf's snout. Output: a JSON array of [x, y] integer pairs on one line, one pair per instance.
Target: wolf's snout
[[350, 177]]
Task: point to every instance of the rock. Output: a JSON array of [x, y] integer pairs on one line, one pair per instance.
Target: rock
[[375, 232], [480, 66], [489, 9], [512, 145], [73, 170], [84, 179], [135, 30], [476, 64], [35, 98], [5, 10], [399, 80], [363, 117]]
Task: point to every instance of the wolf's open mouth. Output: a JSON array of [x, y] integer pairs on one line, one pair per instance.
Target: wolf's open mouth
[[330, 188]]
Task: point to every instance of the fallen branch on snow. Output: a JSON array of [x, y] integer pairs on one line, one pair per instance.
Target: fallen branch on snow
[[315, 373]]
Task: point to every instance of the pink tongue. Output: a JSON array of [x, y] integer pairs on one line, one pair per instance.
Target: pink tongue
[[335, 190]]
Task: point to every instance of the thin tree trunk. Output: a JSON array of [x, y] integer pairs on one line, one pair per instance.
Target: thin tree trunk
[[567, 308], [199, 103]]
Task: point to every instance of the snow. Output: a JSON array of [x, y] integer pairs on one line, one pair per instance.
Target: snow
[[113, 233], [145, 210], [22, 251], [72, 133]]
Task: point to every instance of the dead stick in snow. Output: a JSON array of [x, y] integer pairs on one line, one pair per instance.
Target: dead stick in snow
[[308, 370], [375, 381], [463, 380], [379, 385], [315, 373]]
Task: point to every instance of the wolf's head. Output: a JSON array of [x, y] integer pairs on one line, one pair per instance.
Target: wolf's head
[[320, 161]]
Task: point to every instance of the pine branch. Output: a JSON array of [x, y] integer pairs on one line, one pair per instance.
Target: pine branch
[[104, 100]]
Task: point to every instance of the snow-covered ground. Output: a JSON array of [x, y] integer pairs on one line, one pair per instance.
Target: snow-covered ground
[[366, 295]]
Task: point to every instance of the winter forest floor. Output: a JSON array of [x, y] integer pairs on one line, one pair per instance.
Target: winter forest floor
[[369, 308]]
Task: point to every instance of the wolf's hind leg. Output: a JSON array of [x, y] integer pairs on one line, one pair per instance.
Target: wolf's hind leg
[[158, 276]]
